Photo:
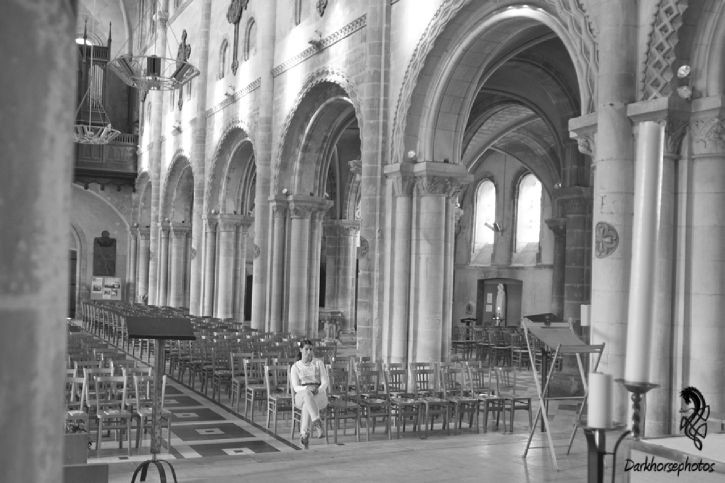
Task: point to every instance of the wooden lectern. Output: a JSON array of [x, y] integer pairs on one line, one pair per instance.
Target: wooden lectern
[[160, 329]]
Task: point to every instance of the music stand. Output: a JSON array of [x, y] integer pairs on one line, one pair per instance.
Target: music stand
[[160, 329], [560, 337]]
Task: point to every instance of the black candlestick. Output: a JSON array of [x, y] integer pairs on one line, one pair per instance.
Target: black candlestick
[[638, 389]]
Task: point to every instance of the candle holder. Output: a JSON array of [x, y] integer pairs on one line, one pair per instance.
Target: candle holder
[[638, 389]]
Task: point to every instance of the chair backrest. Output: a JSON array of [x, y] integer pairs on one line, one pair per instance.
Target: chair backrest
[[109, 392], [478, 377], [254, 370], [368, 378], [453, 379], [505, 380], [89, 374], [396, 379], [276, 379], [424, 377], [339, 375], [143, 391], [74, 392]]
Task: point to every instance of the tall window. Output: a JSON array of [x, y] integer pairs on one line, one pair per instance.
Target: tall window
[[298, 11], [250, 39], [484, 215], [528, 213], [223, 59]]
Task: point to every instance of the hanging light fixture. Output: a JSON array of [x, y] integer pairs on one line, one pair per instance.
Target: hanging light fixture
[[154, 72], [93, 125]]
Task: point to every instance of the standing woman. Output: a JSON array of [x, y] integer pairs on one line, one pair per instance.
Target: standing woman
[[310, 383]]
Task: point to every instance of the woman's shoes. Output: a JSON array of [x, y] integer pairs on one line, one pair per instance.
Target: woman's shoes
[[305, 440], [317, 428]]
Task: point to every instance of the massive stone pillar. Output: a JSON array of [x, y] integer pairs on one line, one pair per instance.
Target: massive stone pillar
[[395, 335], [341, 248], [313, 275], [434, 185], [142, 281], [163, 276], [299, 264], [178, 263], [267, 21], [155, 161], [227, 256], [209, 266], [277, 262], [613, 149], [197, 159], [704, 332], [37, 97]]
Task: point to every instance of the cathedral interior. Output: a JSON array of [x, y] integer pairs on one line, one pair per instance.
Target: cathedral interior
[[404, 180]]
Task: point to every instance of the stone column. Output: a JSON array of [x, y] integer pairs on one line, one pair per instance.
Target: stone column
[[177, 273], [155, 154], [434, 183], [37, 95], [142, 282], [198, 161], [210, 224], [227, 256], [132, 264], [395, 337], [276, 267], [240, 274], [613, 188], [267, 18], [299, 264], [163, 265], [340, 236], [313, 302], [558, 226], [704, 331]]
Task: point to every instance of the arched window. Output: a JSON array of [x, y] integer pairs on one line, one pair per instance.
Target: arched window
[[528, 213], [223, 49], [484, 216], [250, 39], [298, 11]]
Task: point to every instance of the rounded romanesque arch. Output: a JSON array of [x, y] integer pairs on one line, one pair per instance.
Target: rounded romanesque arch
[[325, 105], [178, 196], [460, 48], [234, 136], [142, 206]]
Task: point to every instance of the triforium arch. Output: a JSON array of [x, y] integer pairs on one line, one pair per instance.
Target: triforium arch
[[141, 214], [314, 238], [228, 219]]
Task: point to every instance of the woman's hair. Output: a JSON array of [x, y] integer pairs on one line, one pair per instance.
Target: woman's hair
[[300, 345]]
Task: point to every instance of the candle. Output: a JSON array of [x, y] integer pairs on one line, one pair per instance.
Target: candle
[[645, 225], [585, 313], [599, 402]]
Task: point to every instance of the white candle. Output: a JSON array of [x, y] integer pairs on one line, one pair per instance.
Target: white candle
[[599, 402], [645, 224], [585, 313]]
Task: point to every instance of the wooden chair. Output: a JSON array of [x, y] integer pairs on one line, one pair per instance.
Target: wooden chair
[[279, 397], [140, 403], [110, 413], [341, 404], [254, 388], [426, 388], [454, 382], [403, 405], [236, 365], [369, 393], [506, 391], [75, 412]]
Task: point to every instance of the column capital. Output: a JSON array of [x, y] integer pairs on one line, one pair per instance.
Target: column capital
[[672, 111], [342, 227], [402, 178], [557, 225], [572, 200], [278, 205], [302, 206], [446, 179], [179, 229], [144, 232], [583, 130], [228, 222], [707, 126], [210, 221]]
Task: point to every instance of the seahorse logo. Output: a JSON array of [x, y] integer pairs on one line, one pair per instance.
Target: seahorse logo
[[694, 419]]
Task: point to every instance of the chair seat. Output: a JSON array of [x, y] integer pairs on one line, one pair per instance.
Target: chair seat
[[113, 413], [76, 414], [147, 412]]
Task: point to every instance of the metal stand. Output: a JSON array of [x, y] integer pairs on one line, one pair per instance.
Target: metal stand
[[158, 372], [596, 447]]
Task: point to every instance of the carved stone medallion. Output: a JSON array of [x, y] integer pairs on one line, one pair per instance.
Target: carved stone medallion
[[606, 239]]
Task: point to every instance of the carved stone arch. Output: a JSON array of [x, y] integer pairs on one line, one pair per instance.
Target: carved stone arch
[[178, 190], [302, 110], [239, 168], [354, 194], [233, 134], [456, 26], [706, 47]]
